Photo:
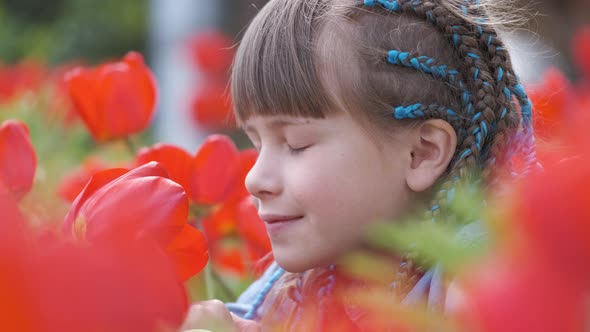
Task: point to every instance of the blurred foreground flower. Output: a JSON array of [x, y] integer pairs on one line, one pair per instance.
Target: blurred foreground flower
[[50, 283], [537, 279], [581, 49], [17, 158], [115, 99]]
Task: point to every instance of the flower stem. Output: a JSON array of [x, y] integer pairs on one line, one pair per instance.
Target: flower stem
[[130, 145], [209, 289], [228, 292]]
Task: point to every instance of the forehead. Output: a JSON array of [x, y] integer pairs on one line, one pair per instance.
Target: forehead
[[254, 122]]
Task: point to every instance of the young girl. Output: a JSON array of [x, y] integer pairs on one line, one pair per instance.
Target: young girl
[[364, 111]]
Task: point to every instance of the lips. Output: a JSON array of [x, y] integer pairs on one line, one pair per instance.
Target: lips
[[277, 218]]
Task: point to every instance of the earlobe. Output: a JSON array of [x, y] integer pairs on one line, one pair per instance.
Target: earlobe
[[433, 145]]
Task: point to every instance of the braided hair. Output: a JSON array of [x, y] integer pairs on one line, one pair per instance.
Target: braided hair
[[487, 121]]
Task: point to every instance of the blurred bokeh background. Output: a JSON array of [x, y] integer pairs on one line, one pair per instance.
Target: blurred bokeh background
[[43, 34]]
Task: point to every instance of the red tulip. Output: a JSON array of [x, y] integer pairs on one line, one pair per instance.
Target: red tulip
[[214, 170], [121, 203], [74, 183], [189, 251], [230, 257], [553, 101], [555, 214], [71, 286], [16, 306], [212, 107], [220, 223], [247, 159], [212, 52], [581, 50], [116, 99], [143, 199], [521, 295], [118, 285], [17, 158], [20, 78], [175, 160], [252, 228]]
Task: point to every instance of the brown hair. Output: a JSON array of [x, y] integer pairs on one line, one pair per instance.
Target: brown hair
[[313, 57]]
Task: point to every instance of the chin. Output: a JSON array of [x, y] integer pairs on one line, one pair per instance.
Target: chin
[[293, 265], [297, 262]]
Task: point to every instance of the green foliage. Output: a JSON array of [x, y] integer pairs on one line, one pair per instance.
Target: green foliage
[[458, 239], [67, 30]]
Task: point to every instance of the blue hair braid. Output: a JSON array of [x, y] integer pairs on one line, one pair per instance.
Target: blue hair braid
[[488, 111], [416, 111], [262, 295], [429, 65], [471, 55]]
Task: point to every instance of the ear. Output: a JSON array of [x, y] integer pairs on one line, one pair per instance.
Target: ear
[[432, 147]]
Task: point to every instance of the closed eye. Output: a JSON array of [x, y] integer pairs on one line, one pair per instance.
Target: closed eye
[[294, 150]]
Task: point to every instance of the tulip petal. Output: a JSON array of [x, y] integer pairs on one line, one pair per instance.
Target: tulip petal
[[189, 252], [252, 228], [214, 170], [80, 288], [18, 160], [247, 159], [175, 160], [141, 201]]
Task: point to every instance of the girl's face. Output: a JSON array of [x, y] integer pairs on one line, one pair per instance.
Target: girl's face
[[321, 182]]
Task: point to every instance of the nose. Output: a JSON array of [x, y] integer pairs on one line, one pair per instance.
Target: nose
[[263, 181]]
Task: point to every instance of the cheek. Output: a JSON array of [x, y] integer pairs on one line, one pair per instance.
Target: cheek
[[332, 182]]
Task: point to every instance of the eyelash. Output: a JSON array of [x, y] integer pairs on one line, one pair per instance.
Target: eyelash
[[296, 151]]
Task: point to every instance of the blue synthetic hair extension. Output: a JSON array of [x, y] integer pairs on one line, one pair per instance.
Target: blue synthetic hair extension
[[429, 65], [417, 111]]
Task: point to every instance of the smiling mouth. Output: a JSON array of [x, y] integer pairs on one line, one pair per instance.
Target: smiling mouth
[[274, 219]]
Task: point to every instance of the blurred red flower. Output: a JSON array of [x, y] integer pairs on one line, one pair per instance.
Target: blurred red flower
[[74, 183], [19, 78], [212, 107], [55, 284], [246, 161], [555, 215], [215, 169], [18, 160], [221, 222], [212, 52], [116, 99], [229, 256], [121, 203], [252, 228], [553, 102], [123, 284], [581, 50], [521, 294]]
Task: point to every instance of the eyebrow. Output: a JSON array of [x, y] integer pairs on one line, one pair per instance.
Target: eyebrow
[[277, 123]]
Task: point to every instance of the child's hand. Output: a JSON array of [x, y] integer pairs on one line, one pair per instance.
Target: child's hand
[[213, 316]]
